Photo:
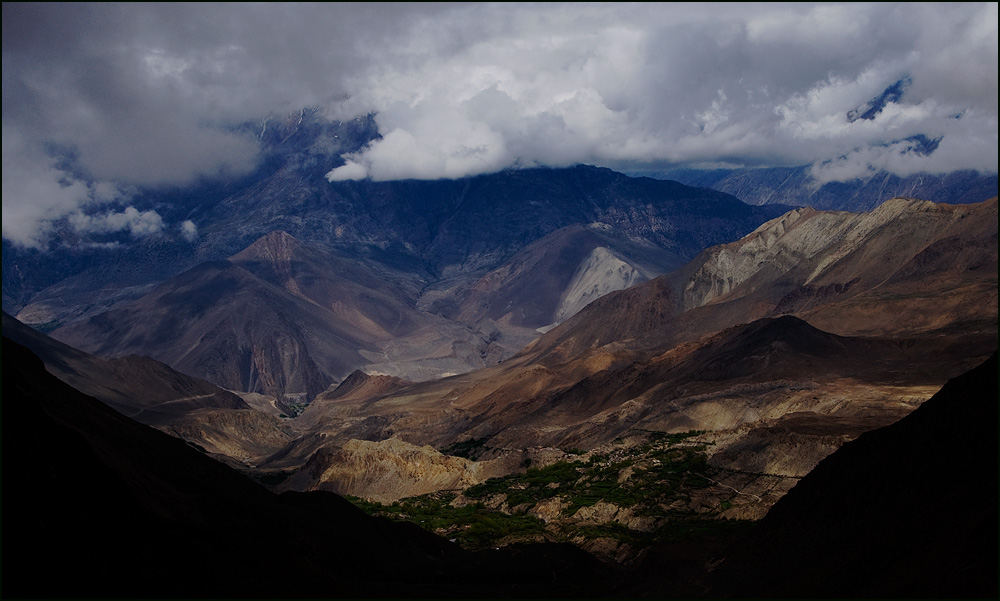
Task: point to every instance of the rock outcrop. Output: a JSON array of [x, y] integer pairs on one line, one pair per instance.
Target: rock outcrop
[[389, 470]]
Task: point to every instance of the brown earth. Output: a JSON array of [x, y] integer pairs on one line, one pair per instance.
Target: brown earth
[[777, 394]]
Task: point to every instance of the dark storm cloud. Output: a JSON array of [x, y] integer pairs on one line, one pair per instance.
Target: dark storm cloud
[[141, 94]]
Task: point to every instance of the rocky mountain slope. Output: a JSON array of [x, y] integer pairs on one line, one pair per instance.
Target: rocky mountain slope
[[452, 227], [221, 322], [288, 318], [759, 403], [916, 281], [759, 390], [553, 278], [908, 267], [909, 528], [649, 358], [214, 420]]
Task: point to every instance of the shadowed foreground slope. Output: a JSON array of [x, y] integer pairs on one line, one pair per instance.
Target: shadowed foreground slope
[[139, 387], [909, 510], [99, 505]]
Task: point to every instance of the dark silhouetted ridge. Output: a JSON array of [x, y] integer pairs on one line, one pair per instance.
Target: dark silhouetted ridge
[[107, 507], [909, 510]]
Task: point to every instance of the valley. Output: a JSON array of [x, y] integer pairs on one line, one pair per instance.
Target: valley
[[592, 389]]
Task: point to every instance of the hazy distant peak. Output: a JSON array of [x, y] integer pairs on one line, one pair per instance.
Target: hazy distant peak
[[871, 109], [273, 256], [277, 245]]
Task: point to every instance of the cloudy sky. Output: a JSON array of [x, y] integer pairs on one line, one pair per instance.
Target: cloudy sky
[[102, 100]]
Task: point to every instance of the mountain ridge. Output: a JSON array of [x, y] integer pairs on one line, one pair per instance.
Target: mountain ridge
[[759, 274]]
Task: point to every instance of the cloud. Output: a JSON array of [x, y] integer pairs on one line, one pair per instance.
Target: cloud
[[34, 195], [348, 171], [761, 85], [74, 78], [438, 143], [189, 231], [145, 94], [137, 223]]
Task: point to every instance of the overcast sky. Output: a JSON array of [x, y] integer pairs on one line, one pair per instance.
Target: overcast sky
[[139, 95]]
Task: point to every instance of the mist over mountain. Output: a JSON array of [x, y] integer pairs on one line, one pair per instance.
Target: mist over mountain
[[414, 231], [100, 264], [800, 185], [462, 90], [857, 181], [415, 279]]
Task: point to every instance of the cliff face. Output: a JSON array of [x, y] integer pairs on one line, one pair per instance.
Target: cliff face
[[600, 273], [808, 253]]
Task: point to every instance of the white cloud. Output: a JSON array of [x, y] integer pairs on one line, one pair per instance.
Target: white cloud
[[438, 143], [189, 231], [759, 85], [137, 223], [33, 196], [348, 171]]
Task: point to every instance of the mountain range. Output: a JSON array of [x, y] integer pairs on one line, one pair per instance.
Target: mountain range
[[288, 317], [800, 186], [648, 382], [853, 318]]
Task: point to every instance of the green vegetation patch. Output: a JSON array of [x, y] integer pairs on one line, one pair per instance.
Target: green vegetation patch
[[474, 526], [536, 484], [469, 449], [646, 479]]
